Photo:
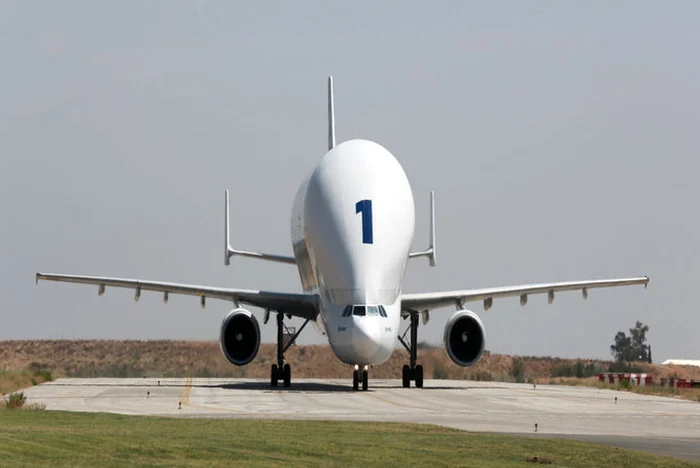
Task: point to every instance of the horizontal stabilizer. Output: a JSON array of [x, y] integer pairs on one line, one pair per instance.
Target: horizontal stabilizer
[[430, 252], [230, 252]]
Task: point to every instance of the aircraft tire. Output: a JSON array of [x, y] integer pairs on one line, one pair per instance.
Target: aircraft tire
[[419, 376], [287, 375], [365, 380], [405, 377], [273, 375], [355, 380]]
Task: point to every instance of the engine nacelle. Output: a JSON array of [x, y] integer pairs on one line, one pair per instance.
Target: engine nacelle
[[240, 337], [464, 338]]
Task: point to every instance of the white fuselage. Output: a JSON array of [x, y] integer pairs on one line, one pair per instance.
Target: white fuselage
[[352, 227]]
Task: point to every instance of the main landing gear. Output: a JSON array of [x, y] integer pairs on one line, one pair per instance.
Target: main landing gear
[[282, 371], [413, 372], [360, 377]]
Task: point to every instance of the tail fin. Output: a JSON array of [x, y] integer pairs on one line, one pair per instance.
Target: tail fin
[[331, 115], [430, 253]]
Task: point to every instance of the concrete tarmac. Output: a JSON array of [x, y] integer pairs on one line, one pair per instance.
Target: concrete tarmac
[[666, 426]]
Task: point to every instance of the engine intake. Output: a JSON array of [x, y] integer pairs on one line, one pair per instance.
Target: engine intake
[[464, 338], [240, 337]]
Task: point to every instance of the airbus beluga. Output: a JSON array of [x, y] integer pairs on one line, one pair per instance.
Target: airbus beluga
[[352, 226]]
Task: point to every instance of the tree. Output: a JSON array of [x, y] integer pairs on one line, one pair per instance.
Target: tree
[[633, 347]]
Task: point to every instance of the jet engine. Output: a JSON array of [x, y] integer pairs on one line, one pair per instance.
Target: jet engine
[[464, 338], [240, 337]]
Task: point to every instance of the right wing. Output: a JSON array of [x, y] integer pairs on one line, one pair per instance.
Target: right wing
[[298, 305]]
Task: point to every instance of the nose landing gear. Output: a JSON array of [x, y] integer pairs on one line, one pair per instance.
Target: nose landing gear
[[360, 376]]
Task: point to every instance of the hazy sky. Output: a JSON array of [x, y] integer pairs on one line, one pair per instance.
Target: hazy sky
[[562, 141]]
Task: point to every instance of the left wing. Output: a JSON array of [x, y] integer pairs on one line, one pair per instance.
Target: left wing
[[299, 305], [428, 301]]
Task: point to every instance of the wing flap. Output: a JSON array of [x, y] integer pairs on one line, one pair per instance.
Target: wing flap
[[427, 301]]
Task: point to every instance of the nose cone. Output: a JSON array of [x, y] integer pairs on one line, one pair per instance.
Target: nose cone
[[366, 341]]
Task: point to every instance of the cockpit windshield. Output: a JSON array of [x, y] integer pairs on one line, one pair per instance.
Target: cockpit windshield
[[364, 310]]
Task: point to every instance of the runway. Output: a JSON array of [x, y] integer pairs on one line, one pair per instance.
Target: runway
[[666, 426]]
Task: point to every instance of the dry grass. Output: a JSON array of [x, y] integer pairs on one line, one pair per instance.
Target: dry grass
[[14, 379], [23, 362], [692, 394], [131, 358]]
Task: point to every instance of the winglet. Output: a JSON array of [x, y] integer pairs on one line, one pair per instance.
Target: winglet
[[331, 115], [227, 241], [430, 253], [431, 249]]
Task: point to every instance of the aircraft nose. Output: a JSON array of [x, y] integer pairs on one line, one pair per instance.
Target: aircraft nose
[[366, 340]]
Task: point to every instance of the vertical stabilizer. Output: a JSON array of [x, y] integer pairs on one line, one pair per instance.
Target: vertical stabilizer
[[331, 115]]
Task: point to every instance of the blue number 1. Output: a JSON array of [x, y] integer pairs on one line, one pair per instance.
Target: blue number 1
[[365, 207]]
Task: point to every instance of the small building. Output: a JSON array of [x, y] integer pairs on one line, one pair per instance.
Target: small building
[[682, 362]]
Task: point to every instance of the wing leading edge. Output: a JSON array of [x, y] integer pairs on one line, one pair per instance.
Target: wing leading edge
[[428, 301], [299, 305]]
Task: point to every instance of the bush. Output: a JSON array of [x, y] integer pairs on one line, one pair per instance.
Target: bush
[[517, 370], [44, 375], [482, 376], [578, 370], [622, 366], [15, 400], [439, 372], [564, 370]]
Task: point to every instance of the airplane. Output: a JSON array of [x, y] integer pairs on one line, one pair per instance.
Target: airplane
[[352, 227]]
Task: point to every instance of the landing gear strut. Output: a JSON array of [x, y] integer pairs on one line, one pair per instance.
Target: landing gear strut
[[360, 376], [413, 372], [282, 371]]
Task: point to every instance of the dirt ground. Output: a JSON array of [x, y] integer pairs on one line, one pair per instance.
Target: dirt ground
[[131, 358]]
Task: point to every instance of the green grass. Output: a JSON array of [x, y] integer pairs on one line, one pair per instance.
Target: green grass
[[31, 438]]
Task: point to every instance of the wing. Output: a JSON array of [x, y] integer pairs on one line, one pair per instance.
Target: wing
[[427, 301], [299, 305]]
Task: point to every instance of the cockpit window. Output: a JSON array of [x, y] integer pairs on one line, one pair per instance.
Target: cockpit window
[[365, 310]]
